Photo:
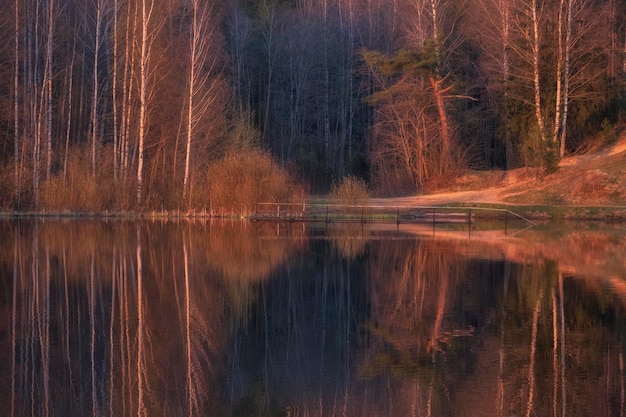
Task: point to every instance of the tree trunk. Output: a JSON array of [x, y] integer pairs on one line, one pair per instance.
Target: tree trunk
[[536, 72], [143, 80], [114, 81], [439, 93], [16, 106], [69, 85], [96, 86], [191, 92], [566, 81]]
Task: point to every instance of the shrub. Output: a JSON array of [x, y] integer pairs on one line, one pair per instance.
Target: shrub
[[351, 190], [240, 180]]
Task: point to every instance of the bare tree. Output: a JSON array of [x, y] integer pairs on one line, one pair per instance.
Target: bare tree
[[204, 78], [578, 49], [147, 8], [269, 21], [16, 105], [95, 98]]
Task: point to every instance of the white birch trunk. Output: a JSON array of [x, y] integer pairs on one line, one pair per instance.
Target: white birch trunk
[[96, 85], [559, 72], [16, 104], [143, 79], [195, 39], [566, 81], [116, 136], [536, 71], [48, 84]]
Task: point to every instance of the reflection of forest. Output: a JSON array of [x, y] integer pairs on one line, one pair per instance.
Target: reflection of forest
[[423, 327], [126, 318], [475, 336], [123, 318]]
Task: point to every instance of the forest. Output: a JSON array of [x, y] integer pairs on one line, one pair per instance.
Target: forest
[[193, 104]]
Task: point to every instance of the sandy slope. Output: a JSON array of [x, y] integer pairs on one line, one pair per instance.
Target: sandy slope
[[597, 178]]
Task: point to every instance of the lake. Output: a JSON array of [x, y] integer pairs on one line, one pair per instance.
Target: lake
[[189, 318]]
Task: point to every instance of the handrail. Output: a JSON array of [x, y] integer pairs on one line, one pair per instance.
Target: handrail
[[359, 210]]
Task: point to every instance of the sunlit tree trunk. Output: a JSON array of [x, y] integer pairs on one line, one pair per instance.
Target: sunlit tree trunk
[[562, 122], [326, 86], [128, 86], [202, 80], [558, 96], [96, 87], [193, 67], [16, 106], [114, 82], [144, 61], [505, 23], [535, 49], [439, 93], [34, 94], [48, 78]]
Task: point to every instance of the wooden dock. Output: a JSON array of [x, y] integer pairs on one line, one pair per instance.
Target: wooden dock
[[328, 213]]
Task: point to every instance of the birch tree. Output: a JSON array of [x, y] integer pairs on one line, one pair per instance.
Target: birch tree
[[95, 98], [16, 104], [575, 73], [204, 78], [147, 8]]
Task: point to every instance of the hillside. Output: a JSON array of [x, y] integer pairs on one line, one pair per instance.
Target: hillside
[[596, 178]]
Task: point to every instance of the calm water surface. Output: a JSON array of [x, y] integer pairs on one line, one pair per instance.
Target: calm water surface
[[124, 318]]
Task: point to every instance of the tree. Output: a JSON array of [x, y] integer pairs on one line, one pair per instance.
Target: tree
[[490, 23], [205, 79], [412, 112], [147, 7], [95, 97]]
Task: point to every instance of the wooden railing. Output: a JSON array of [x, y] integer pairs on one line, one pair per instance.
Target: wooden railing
[[290, 212]]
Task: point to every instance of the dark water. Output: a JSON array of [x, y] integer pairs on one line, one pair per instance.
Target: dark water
[[187, 319]]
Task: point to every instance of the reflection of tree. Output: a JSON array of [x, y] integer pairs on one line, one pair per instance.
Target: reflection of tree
[[119, 319], [531, 340], [129, 319], [415, 334]]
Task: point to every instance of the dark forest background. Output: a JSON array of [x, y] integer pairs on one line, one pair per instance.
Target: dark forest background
[[189, 104]]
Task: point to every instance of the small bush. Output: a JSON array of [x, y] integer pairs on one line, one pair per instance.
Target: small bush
[[351, 190], [240, 180], [609, 136]]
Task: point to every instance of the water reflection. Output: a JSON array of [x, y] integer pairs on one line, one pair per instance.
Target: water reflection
[[181, 319]]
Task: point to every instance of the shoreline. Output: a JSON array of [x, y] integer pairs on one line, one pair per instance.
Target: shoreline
[[535, 212]]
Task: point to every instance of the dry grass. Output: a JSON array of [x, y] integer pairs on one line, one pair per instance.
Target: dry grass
[[351, 190]]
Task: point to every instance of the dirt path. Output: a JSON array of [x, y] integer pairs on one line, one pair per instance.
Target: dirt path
[[490, 195]]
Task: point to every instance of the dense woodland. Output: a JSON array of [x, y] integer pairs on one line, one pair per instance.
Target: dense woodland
[[189, 104]]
